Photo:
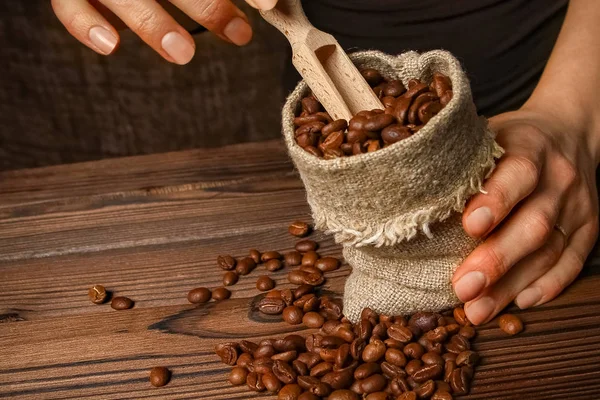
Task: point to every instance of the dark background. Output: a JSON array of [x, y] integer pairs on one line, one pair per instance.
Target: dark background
[[60, 102]]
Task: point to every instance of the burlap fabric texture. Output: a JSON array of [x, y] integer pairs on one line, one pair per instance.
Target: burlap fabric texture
[[397, 210]]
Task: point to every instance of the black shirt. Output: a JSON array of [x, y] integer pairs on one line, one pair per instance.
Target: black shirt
[[502, 44]]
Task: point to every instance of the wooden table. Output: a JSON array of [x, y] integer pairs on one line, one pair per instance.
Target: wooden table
[[151, 228]]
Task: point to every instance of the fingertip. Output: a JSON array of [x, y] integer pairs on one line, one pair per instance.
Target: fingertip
[[104, 40], [181, 50], [470, 285], [238, 31], [528, 298], [263, 5], [481, 310], [478, 222]]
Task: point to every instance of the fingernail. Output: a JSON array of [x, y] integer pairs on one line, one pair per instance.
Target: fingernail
[[479, 221], [528, 298], [252, 3], [480, 310], [265, 4], [178, 47], [103, 39], [238, 31], [469, 286]]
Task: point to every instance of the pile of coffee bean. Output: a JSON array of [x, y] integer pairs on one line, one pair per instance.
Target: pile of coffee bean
[[425, 356], [406, 111]]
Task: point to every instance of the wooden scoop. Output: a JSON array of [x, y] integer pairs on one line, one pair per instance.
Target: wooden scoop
[[322, 62]]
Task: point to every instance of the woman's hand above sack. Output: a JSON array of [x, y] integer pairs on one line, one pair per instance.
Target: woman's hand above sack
[[540, 213], [95, 23]]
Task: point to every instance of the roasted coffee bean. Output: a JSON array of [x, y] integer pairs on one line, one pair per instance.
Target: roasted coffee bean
[[273, 265], [328, 354], [238, 375], [356, 136], [311, 304], [378, 122], [299, 228], [449, 356], [401, 109], [290, 392], [338, 379], [373, 383], [332, 142], [309, 258], [452, 329], [468, 332], [431, 358], [264, 350], [378, 90], [292, 315], [420, 100], [346, 148], [308, 396], [461, 317], [413, 366], [380, 330], [244, 360], [357, 148], [510, 324], [399, 386], [467, 357], [355, 387], [373, 351], [394, 88], [309, 359], [228, 352], [311, 105], [159, 376], [393, 344], [306, 245], [446, 97], [247, 346], [264, 283], [274, 294], [255, 256], [416, 90], [221, 293], [442, 386], [254, 382], [440, 84], [293, 258], [121, 303], [310, 269], [427, 372], [357, 347], [365, 370], [313, 343], [437, 335], [400, 333], [307, 382], [331, 342], [300, 368], [344, 332], [287, 356], [230, 278], [271, 383], [271, 306], [284, 372], [287, 296], [357, 123], [364, 329], [321, 369], [97, 294], [441, 395], [377, 396], [449, 368], [395, 133], [343, 355], [425, 390], [226, 262], [294, 342], [309, 139], [339, 125], [302, 300], [459, 381], [330, 154], [414, 350], [313, 320], [395, 357], [330, 308], [458, 344], [422, 322], [372, 145], [373, 78], [314, 151], [270, 255], [428, 111], [388, 102], [298, 277], [407, 396], [327, 264], [299, 121], [245, 266], [343, 394]]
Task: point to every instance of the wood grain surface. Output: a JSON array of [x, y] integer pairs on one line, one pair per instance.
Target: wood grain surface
[[150, 228]]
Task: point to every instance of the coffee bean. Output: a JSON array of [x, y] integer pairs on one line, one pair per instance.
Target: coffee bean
[[373, 351], [228, 352], [437, 335], [407, 396], [306, 245], [245, 266], [264, 283], [343, 394], [395, 357], [459, 381], [431, 358], [313, 150], [428, 111], [247, 346], [292, 315], [449, 368], [290, 392], [298, 277], [273, 265], [510, 324], [422, 322], [332, 142], [441, 84], [244, 360], [271, 306], [372, 145], [452, 329], [313, 320], [467, 357], [255, 256], [230, 278], [373, 383], [394, 88], [254, 382], [311, 105], [367, 369], [416, 90], [287, 296], [270, 255], [441, 395], [338, 379], [121, 303], [378, 122], [264, 351], [159, 376], [427, 372], [392, 371], [413, 366], [460, 316], [420, 100], [321, 369], [425, 390], [468, 332], [299, 228], [400, 333], [373, 78], [330, 308], [293, 258], [226, 262], [458, 344], [327, 264], [311, 304], [300, 368], [271, 383], [309, 359], [310, 258], [97, 294], [310, 269], [238, 376], [446, 97], [284, 372], [377, 396], [221, 293], [308, 396], [442, 386], [274, 294], [335, 126]]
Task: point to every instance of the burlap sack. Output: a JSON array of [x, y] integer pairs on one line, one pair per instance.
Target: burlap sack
[[397, 210]]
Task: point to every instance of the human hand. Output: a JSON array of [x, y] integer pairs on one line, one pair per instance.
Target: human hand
[[94, 23], [544, 184]]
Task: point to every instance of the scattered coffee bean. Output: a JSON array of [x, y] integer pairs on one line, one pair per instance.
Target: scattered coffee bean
[[306, 245], [199, 295], [226, 262], [159, 376], [290, 392], [299, 228], [255, 256], [309, 258], [271, 305], [228, 352], [510, 324], [121, 303], [221, 293], [313, 320], [264, 283], [273, 265], [245, 266], [230, 278], [272, 384], [270, 255], [292, 315], [97, 294], [293, 258], [238, 375], [327, 264]]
